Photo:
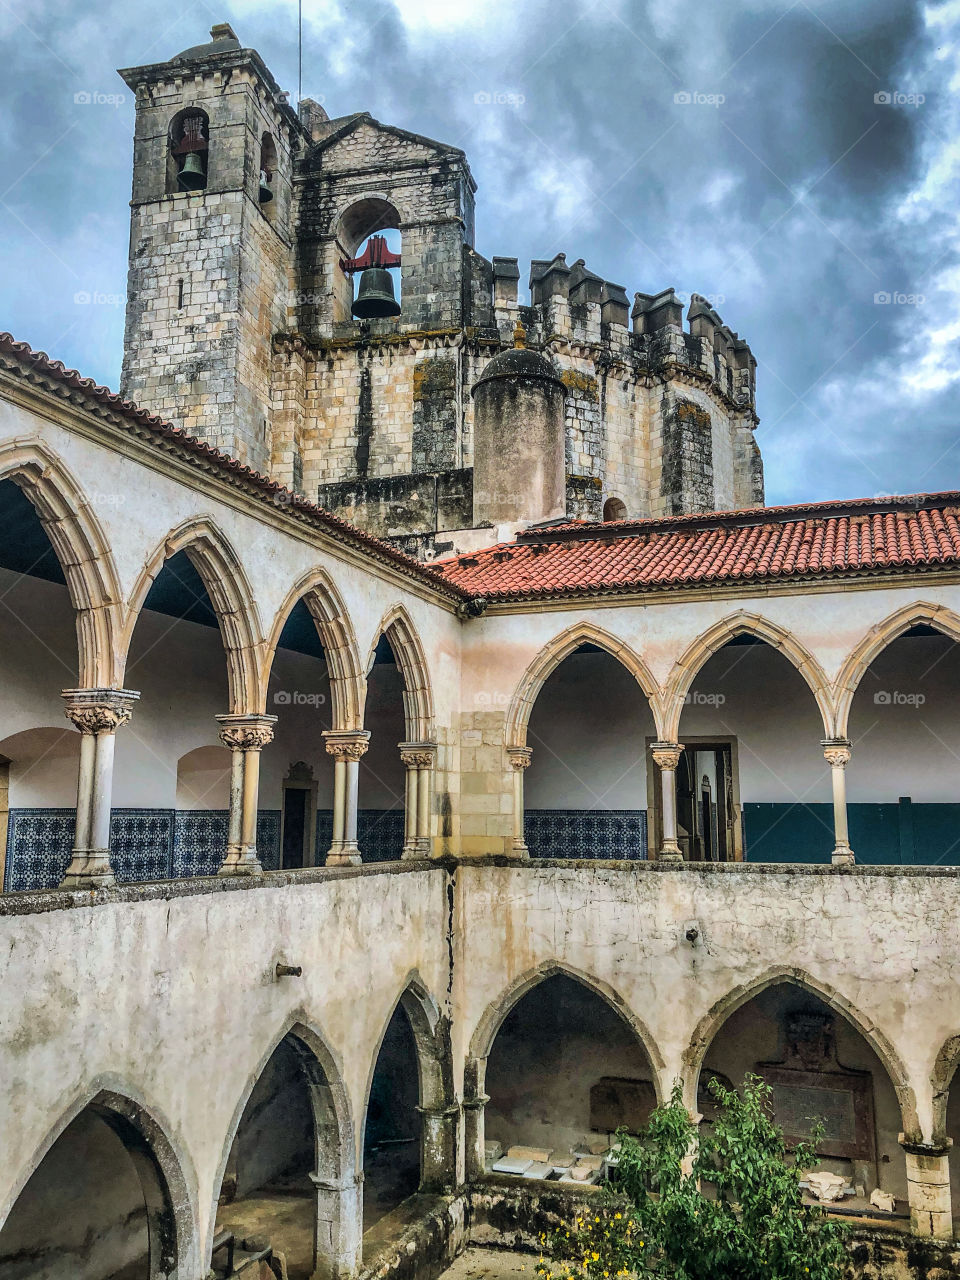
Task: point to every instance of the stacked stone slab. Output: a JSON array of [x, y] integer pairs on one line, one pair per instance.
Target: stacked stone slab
[[239, 326]]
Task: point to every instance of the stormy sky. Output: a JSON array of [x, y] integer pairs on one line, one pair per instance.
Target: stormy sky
[[799, 164]]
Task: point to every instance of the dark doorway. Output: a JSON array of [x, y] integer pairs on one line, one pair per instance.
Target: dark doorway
[[706, 810], [294, 826]]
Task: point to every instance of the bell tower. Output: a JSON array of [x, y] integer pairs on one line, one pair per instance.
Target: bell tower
[[210, 241]]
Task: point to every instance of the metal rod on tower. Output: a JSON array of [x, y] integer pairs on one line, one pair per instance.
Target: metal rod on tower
[[299, 51]]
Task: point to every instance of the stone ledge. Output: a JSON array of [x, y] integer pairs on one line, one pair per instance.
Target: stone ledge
[[38, 901]]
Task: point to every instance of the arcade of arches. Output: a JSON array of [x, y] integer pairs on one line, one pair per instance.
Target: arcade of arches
[[334, 889]]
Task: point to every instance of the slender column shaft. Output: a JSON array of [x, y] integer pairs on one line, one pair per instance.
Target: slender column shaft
[[836, 752], [520, 758], [97, 713], [353, 800], [102, 790], [667, 757], [346, 746], [246, 736], [88, 750], [338, 1227], [410, 814]]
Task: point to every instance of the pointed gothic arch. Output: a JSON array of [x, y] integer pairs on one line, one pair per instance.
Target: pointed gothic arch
[[715, 1018], [434, 1062], [81, 547], [404, 640], [493, 1017], [878, 638], [166, 1179], [334, 1132], [698, 653], [941, 1079], [551, 656], [231, 597], [338, 638]]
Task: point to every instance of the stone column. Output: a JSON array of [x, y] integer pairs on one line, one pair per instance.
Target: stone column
[[338, 1227], [667, 757], [928, 1189], [346, 746], [520, 758], [98, 714], [419, 757], [474, 1104], [836, 752], [438, 1147], [246, 736]]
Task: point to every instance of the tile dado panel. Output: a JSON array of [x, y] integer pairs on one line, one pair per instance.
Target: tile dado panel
[[167, 844]]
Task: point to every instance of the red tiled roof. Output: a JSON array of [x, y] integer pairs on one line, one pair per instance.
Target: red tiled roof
[[236, 471], [867, 536]]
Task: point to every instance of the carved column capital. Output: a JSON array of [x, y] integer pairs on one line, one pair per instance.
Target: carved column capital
[[246, 732], [836, 751], [98, 710], [418, 755], [346, 744], [520, 757], [666, 754]]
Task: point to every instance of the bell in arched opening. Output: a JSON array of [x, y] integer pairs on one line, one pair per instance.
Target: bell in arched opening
[[375, 298], [266, 194], [191, 176]]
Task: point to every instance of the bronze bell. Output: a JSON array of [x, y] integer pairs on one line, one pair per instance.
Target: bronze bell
[[265, 192], [375, 297], [191, 177]]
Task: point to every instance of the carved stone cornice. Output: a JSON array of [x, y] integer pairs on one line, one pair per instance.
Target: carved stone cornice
[[667, 754], [418, 755], [346, 744], [98, 710], [836, 751], [246, 732], [520, 757]]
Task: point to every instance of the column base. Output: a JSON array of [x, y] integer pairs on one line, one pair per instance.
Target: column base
[[669, 855], [89, 869], [843, 856], [344, 856], [241, 861]]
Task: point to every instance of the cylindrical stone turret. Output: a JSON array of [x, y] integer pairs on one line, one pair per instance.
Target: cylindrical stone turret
[[519, 469]]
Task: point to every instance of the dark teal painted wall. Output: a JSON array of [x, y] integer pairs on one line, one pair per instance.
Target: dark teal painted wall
[[886, 834]]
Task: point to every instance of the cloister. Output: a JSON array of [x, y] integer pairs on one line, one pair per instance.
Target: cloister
[[336, 870]]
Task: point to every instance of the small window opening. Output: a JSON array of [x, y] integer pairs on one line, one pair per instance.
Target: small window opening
[[614, 509]]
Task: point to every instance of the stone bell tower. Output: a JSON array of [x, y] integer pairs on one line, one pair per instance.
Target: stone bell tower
[[210, 242]]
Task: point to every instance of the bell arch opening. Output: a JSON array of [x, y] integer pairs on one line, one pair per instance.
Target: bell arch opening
[[188, 151], [377, 288]]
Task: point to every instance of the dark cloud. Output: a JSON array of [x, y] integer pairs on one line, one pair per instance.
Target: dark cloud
[[796, 200]]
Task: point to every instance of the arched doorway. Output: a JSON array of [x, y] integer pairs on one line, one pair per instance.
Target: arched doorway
[[818, 1065], [902, 795], [98, 1206], [751, 781], [585, 788], [288, 1185], [564, 1072]]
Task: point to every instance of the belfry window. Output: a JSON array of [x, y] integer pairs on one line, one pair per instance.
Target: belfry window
[[189, 151], [268, 169]]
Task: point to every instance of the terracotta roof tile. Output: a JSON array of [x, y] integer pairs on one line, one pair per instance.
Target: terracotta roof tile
[[830, 539]]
